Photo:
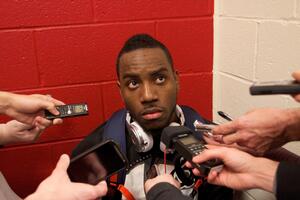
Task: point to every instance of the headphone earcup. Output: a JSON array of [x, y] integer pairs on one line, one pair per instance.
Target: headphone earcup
[[143, 142]]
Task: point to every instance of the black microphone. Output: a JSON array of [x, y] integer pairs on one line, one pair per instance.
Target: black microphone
[[170, 133], [185, 142]]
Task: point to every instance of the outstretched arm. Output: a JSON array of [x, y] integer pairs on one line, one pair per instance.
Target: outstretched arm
[[28, 112]]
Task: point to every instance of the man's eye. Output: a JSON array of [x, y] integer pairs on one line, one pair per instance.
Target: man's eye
[[160, 79], [133, 84]]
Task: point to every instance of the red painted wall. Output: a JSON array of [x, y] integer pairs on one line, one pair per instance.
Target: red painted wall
[[68, 48]]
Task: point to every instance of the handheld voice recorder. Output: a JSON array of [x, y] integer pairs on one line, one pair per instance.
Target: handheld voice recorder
[[188, 145], [69, 110]]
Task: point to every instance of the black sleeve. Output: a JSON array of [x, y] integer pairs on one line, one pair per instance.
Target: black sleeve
[[165, 191], [92, 139], [288, 181]]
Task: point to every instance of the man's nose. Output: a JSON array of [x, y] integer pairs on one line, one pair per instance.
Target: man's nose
[[148, 93]]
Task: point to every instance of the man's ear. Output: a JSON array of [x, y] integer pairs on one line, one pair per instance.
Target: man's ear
[[119, 86]]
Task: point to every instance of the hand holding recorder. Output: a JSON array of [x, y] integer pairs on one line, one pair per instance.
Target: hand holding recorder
[[28, 113], [240, 170], [28, 109]]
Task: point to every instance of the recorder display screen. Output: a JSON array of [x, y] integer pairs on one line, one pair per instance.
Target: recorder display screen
[[79, 108], [189, 140]]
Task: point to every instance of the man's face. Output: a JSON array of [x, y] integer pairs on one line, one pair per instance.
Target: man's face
[[148, 87]]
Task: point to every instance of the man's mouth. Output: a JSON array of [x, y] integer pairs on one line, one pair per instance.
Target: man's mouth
[[152, 114]]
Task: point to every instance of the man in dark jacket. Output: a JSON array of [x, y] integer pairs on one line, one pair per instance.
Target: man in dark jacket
[[149, 87]]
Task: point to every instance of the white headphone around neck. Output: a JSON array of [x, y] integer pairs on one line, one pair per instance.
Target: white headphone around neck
[[144, 141]]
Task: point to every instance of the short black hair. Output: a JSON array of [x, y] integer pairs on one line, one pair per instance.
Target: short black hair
[[141, 41]]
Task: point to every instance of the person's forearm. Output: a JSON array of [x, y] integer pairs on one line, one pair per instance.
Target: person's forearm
[[265, 173], [3, 138], [4, 101], [292, 132]]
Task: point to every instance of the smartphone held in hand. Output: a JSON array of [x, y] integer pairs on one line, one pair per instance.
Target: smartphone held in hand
[[97, 163], [275, 87]]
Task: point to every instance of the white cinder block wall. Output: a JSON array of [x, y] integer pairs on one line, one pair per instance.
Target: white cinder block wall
[[254, 40]]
